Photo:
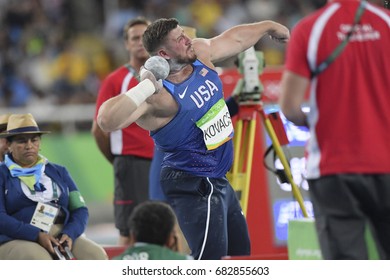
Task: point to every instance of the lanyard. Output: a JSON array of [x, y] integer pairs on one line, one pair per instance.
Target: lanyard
[[55, 191], [338, 50], [132, 70]]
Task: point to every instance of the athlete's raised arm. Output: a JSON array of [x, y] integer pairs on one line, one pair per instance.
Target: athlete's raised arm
[[239, 38]]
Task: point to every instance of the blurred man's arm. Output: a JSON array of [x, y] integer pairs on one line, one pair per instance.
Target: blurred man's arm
[[103, 141], [293, 89]]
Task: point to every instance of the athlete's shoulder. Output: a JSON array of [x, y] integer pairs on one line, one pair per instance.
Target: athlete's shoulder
[[204, 50], [201, 45]]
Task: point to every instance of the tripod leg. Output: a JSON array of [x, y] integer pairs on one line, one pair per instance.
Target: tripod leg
[[251, 134], [240, 176], [287, 170]]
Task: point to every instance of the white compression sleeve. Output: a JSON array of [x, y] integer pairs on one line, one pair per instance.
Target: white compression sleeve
[[139, 93]]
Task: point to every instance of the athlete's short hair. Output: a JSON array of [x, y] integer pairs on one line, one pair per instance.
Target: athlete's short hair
[[156, 33]]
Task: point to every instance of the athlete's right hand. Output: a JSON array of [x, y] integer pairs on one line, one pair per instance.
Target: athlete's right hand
[[146, 74], [279, 33]]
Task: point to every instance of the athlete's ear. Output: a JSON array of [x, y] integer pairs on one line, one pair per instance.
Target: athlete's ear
[[163, 54]]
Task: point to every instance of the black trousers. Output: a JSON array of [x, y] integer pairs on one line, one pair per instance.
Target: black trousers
[[343, 206], [131, 188]]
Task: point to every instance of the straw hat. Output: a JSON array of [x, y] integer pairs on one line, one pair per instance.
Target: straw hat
[[3, 122], [21, 124]]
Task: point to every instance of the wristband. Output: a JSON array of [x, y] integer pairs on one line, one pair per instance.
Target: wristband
[[139, 93]]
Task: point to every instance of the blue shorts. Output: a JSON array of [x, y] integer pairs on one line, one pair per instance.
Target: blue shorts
[[208, 213]]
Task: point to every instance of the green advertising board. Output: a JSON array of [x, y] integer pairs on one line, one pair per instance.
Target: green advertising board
[[302, 242]]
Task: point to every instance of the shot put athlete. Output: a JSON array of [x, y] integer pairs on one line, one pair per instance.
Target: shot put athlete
[[179, 115]]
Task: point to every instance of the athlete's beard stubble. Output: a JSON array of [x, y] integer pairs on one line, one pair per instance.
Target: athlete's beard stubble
[[176, 64]]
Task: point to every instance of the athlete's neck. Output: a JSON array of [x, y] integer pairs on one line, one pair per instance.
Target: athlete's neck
[[180, 75], [176, 66]]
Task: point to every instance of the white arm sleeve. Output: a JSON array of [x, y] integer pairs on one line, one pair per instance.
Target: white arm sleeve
[[139, 93]]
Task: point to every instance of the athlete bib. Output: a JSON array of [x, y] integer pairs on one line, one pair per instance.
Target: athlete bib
[[216, 125]]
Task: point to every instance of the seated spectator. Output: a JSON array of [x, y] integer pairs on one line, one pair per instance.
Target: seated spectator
[[3, 142], [28, 183], [153, 232]]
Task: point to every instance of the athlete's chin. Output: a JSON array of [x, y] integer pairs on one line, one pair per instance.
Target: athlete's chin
[[186, 60], [192, 58]]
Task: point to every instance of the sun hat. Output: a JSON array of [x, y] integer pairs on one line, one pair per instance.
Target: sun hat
[[3, 122], [21, 124]]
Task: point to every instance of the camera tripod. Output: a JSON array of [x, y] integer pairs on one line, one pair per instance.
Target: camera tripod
[[251, 111]]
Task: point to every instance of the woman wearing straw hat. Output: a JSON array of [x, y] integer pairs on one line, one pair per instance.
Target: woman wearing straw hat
[[29, 181]]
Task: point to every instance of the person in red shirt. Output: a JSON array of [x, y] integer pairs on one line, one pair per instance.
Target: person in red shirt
[[348, 163], [130, 149]]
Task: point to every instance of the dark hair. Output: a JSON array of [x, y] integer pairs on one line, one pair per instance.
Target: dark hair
[[156, 33], [152, 222], [131, 23]]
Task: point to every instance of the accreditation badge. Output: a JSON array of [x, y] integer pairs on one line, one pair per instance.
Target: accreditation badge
[[216, 125], [44, 216]]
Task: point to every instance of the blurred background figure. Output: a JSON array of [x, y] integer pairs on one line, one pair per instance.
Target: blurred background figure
[[3, 142], [60, 51]]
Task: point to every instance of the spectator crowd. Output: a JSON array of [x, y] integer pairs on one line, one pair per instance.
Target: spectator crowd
[[58, 51]]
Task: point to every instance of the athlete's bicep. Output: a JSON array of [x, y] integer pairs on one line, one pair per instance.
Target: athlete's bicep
[[223, 47], [119, 112], [211, 50]]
